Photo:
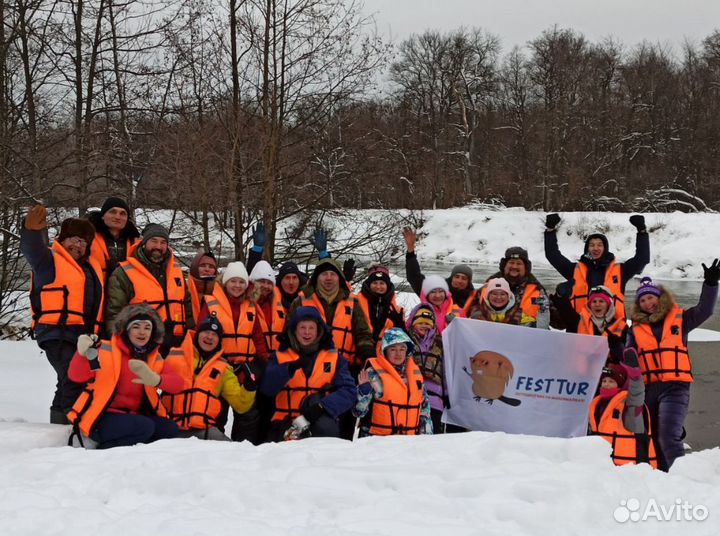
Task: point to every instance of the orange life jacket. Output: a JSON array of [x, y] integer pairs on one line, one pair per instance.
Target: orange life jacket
[[168, 301], [669, 360], [627, 447], [62, 302], [237, 341], [99, 252], [196, 298], [99, 392], [198, 404], [397, 412], [276, 324], [290, 397], [365, 307], [341, 325], [469, 303], [613, 281], [586, 325]]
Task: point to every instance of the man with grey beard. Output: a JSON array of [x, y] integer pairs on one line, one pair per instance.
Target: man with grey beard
[[150, 274]]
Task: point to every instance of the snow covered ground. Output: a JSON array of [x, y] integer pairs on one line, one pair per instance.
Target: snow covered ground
[[478, 483]]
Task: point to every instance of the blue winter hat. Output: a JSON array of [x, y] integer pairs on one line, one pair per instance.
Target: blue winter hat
[[396, 336], [305, 313], [646, 287]]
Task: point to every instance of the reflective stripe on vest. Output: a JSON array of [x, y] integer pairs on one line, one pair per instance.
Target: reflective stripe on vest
[[168, 301], [667, 361], [275, 327], [198, 404], [99, 392], [237, 342], [341, 325], [587, 327], [397, 412], [627, 447], [62, 301], [290, 397], [613, 281]]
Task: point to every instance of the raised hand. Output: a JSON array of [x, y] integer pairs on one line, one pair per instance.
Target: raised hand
[[36, 219], [552, 221], [145, 375], [410, 238], [638, 221], [259, 235], [712, 274]]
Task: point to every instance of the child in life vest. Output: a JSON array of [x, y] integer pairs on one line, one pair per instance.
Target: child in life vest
[[618, 414], [391, 392], [600, 318], [497, 303]]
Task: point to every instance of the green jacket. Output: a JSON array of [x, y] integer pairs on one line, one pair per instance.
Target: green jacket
[[120, 290]]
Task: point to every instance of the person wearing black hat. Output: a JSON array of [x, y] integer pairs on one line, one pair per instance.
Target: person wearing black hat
[[65, 298], [460, 281], [209, 381], [530, 295], [597, 265], [377, 300], [150, 274], [115, 234]]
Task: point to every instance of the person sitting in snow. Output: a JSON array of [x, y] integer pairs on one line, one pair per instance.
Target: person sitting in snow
[[459, 283], [659, 333], [597, 265], [377, 301], [599, 318], [530, 298], [391, 397], [208, 379], [435, 293], [497, 304], [308, 380], [119, 404], [66, 296], [618, 414]]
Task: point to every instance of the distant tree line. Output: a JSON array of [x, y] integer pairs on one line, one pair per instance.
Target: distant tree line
[[236, 111]]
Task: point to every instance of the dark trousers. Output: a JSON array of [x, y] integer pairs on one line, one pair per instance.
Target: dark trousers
[[59, 354], [667, 403], [325, 426], [245, 426], [438, 426], [124, 430]]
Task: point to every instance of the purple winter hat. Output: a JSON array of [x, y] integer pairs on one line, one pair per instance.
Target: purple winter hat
[[646, 287]]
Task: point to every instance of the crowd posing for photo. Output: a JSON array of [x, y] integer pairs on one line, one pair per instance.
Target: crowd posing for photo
[[144, 352]]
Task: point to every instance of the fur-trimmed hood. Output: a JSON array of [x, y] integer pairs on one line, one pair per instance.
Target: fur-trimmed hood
[[131, 311], [666, 302]]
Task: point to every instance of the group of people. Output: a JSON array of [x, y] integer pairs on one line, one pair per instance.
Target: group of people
[[143, 352]]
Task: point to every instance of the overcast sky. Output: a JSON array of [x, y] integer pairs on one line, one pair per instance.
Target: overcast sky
[[518, 21]]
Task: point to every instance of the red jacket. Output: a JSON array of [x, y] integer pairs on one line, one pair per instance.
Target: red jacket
[[128, 396]]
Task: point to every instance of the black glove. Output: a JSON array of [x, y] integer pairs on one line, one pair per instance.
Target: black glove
[[397, 317], [259, 235], [551, 221], [712, 274], [630, 358], [313, 412], [249, 381], [349, 270], [638, 221]]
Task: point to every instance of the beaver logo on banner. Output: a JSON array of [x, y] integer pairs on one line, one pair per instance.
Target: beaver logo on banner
[[519, 380]]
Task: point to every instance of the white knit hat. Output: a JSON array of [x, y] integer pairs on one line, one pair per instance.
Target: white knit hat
[[433, 282], [262, 270], [234, 269]]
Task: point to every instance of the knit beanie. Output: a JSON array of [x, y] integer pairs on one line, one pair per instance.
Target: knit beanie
[[602, 293], [154, 230], [114, 202], [210, 323], [433, 282], [288, 268], [423, 316], [262, 270], [499, 283], [462, 269], [378, 272], [616, 372], [235, 269], [646, 287]]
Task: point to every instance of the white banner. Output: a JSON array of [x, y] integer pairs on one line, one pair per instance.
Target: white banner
[[520, 380]]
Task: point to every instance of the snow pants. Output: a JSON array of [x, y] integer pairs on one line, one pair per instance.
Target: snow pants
[[668, 404], [59, 354], [126, 429]]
